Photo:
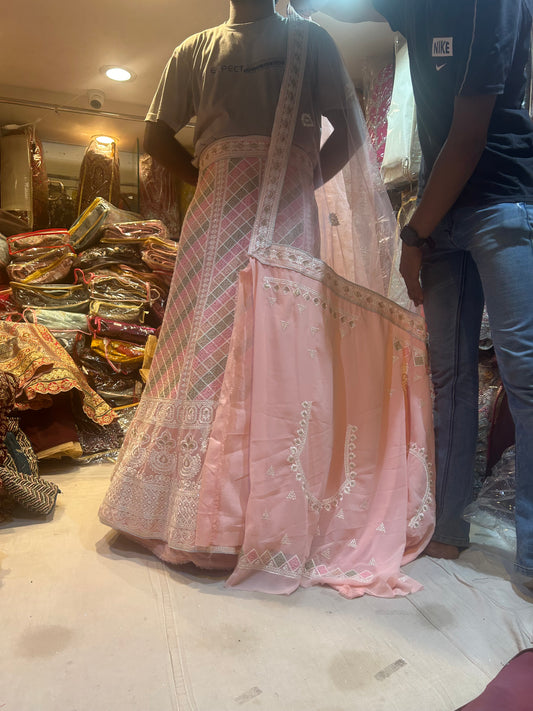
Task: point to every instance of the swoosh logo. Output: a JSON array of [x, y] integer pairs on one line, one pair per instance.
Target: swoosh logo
[[438, 67]]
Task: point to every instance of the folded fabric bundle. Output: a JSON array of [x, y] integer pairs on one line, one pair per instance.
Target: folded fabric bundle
[[160, 255], [57, 320], [160, 286], [107, 255], [116, 311], [138, 231], [121, 297], [112, 381], [41, 265], [121, 288], [64, 297], [118, 352], [38, 238], [86, 230], [131, 332]]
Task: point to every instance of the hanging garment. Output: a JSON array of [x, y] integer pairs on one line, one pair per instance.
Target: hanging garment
[[285, 429]]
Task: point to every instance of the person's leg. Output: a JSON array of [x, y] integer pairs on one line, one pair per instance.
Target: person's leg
[[503, 251], [453, 307]]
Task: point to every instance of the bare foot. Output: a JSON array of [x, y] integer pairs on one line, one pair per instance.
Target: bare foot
[[441, 550]]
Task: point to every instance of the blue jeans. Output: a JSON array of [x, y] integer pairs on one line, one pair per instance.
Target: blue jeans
[[480, 254]]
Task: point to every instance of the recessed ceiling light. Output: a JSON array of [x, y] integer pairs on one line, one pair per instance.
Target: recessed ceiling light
[[105, 140], [118, 73]]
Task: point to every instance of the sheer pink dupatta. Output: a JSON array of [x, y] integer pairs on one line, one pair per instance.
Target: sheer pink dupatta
[[320, 462]]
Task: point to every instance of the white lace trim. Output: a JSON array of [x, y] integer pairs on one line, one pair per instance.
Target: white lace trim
[[284, 124]]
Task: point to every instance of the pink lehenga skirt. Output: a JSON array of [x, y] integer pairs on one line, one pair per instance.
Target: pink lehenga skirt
[[285, 431]]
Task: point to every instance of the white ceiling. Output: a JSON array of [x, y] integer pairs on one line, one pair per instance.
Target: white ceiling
[[51, 53]]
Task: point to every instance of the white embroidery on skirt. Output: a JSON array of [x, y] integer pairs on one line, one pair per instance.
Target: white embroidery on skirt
[[354, 293], [294, 460], [420, 454]]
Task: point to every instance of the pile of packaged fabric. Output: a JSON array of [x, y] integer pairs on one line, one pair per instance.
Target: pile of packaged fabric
[[79, 313]]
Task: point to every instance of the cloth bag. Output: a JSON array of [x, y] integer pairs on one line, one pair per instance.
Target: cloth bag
[[19, 472], [511, 690]]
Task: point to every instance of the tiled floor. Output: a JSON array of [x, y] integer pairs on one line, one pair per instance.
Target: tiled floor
[[90, 623]]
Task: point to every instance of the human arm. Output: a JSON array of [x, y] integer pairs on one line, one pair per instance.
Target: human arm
[[159, 142], [453, 168], [343, 10]]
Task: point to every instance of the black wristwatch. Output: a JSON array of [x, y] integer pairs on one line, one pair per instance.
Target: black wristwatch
[[410, 237]]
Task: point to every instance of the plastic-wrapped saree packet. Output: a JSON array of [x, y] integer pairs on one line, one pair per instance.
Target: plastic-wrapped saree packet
[[134, 232], [42, 265], [495, 505], [38, 238], [86, 230], [108, 255], [62, 297]]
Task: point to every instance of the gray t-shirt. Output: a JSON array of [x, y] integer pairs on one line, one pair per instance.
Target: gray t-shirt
[[230, 76]]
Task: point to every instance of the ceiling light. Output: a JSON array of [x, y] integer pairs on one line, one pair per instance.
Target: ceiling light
[[118, 73], [105, 140]]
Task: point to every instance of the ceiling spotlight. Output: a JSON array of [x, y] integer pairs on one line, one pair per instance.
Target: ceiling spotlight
[[105, 140], [118, 73]]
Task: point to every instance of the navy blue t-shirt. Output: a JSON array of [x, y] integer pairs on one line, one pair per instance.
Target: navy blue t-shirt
[[468, 48]]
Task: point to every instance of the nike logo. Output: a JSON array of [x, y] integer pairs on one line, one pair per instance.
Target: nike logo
[[438, 67]]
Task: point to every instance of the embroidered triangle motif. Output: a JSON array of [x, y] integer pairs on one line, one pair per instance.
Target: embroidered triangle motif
[[353, 543], [284, 325], [340, 514], [285, 541], [271, 471], [291, 496], [266, 516], [381, 528]]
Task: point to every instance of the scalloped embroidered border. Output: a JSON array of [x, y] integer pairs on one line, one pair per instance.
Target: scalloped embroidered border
[[294, 460], [420, 454]]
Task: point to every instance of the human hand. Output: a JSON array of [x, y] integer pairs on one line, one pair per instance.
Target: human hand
[[410, 264]]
